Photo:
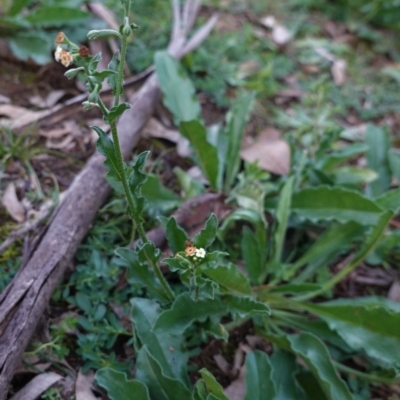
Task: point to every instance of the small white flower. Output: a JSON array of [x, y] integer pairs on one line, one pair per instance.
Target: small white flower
[[57, 54], [201, 253]]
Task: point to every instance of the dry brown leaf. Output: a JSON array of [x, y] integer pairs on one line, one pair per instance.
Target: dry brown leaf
[[338, 71], [286, 95], [222, 364], [11, 111], [271, 152], [54, 97], [16, 116], [310, 68], [65, 137], [11, 203], [237, 389], [38, 385], [56, 133], [155, 129], [37, 101], [83, 387]]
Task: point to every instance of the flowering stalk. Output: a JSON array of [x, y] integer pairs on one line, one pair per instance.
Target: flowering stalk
[[193, 256], [111, 149]]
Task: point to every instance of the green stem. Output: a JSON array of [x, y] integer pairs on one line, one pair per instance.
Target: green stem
[[102, 107], [138, 225], [364, 375], [122, 171], [120, 73], [157, 272]]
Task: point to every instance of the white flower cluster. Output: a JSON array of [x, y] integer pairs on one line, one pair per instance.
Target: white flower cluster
[[201, 253]]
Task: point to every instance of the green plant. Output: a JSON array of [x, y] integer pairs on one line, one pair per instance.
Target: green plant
[[20, 147], [284, 271]]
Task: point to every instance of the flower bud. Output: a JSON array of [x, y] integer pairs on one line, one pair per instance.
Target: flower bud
[[84, 51], [126, 28], [61, 38]]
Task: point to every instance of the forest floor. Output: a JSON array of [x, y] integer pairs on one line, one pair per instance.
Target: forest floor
[[304, 65]]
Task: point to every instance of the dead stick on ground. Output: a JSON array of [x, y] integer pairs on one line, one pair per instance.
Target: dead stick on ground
[[24, 300]]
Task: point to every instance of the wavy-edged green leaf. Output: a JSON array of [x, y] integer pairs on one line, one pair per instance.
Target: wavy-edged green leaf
[[394, 161], [389, 200], [295, 288], [137, 177], [56, 15], [206, 236], [310, 386], [189, 186], [34, 45], [372, 239], [200, 390], [136, 180], [212, 386], [214, 328], [118, 387], [318, 327], [337, 157], [165, 347], [179, 92], [316, 355], [236, 120], [282, 216], [113, 65], [378, 141], [335, 203], [259, 383], [118, 110], [159, 198], [240, 214], [254, 256], [332, 242], [229, 277], [349, 175], [176, 236], [284, 368], [370, 326], [16, 23], [148, 253], [206, 153], [106, 147], [17, 6], [139, 273], [161, 387], [101, 75], [185, 311], [246, 306]]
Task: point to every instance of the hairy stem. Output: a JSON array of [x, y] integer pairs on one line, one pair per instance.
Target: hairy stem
[[136, 218]]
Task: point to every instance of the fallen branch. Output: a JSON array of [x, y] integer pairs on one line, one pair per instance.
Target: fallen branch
[[24, 300]]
